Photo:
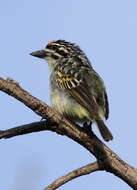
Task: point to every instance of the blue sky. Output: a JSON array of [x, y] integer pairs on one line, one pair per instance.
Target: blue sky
[[107, 32]]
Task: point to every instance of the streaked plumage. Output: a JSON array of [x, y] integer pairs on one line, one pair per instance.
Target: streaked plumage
[[77, 91]]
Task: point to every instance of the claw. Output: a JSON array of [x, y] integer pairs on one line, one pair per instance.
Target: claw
[[87, 126]]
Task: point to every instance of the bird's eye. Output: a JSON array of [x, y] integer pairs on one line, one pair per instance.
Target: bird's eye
[[55, 56], [53, 47], [62, 53], [58, 50]]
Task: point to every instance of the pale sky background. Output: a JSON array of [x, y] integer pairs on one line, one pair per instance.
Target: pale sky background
[[107, 31]]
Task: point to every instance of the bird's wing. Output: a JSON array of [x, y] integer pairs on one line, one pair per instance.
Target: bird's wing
[[79, 89]]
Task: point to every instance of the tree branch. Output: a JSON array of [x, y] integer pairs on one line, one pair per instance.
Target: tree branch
[[29, 128], [87, 169], [110, 161]]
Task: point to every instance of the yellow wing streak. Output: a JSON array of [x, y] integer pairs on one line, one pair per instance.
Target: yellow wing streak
[[66, 81]]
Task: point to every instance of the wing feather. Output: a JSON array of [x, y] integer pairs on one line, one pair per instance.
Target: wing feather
[[79, 90]]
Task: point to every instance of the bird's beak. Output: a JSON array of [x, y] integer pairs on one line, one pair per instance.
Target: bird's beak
[[39, 54]]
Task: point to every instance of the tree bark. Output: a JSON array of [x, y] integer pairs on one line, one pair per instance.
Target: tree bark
[[104, 155]]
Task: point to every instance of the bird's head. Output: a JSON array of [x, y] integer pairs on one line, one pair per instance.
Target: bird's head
[[56, 50]]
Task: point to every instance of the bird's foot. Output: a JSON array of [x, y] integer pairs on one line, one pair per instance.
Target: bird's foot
[[42, 119], [87, 126]]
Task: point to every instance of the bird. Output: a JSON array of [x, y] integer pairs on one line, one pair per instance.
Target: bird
[[76, 89]]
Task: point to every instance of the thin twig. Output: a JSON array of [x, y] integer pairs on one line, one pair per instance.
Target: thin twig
[[30, 128], [23, 129], [87, 169]]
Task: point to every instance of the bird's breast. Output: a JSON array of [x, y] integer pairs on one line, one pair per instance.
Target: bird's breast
[[67, 105]]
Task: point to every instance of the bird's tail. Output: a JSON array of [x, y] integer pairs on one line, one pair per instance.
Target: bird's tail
[[106, 134]]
